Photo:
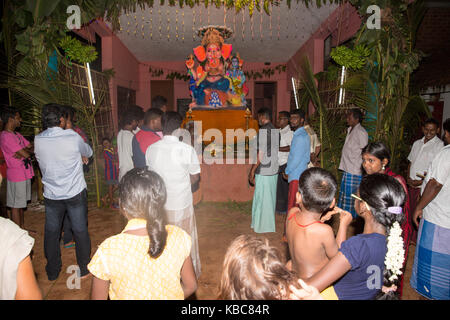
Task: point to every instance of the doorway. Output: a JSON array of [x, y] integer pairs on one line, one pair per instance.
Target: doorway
[[265, 96], [163, 88]]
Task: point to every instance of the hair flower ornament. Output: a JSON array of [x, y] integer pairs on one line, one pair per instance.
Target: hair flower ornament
[[395, 252]]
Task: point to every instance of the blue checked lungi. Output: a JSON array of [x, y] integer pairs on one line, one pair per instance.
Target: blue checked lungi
[[431, 270], [349, 184]]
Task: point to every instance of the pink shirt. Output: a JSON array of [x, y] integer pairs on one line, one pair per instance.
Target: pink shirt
[[15, 168]]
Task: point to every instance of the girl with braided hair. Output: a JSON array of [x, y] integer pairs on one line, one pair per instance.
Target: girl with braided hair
[[149, 259], [375, 159]]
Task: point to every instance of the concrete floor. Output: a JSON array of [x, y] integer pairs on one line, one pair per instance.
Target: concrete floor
[[218, 225]]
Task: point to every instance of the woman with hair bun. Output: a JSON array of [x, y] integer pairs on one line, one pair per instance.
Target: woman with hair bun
[[367, 265], [149, 259], [375, 159]]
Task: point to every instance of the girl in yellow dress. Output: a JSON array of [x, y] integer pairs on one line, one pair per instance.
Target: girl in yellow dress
[[149, 259]]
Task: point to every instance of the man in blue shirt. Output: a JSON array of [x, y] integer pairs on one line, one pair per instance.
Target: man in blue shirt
[[60, 154], [299, 155]]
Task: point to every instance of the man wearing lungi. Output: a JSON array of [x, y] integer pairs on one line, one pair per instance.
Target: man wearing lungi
[[351, 160], [264, 173], [431, 270]]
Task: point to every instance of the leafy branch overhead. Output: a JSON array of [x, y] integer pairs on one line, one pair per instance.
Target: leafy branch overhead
[[77, 51], [354, 59]]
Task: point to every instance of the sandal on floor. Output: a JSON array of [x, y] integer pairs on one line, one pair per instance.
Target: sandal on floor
[[70, 244]]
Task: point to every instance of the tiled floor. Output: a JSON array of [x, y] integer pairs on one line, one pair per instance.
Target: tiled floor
[[217, 225]]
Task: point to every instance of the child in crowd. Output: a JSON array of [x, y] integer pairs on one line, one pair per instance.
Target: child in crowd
[[253, 270], [111, 173], [311, 242], [357, 271], [149, 258]]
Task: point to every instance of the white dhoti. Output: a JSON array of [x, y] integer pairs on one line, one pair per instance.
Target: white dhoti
[[185, 219]]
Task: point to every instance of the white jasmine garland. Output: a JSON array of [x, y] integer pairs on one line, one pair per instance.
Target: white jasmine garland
[[395, 255]]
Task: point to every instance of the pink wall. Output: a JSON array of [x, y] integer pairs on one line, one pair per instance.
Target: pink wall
[[117, 56], [126, 68], [222, 182], [342, 24]]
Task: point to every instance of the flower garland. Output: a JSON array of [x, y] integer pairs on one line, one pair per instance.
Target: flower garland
[[267, 72], [395, 255]]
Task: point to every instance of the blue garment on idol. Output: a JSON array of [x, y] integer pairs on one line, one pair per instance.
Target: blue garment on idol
[[222, 84], [299, 154]]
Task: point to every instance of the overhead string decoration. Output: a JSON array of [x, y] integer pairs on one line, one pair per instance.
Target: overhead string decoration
[[278, 21], [151, 23], [260, 25], [243, 22], [234, 24], [251, 27], [296, 20], [270, 21], [135, 25], [287, 24], [199, 15], [182, 23], [193, 24], [142, 27], [168, 25], [128, 24], [176, 24], [160, 23]]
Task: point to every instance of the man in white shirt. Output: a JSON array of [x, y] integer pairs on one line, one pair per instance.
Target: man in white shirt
[[178, 165], [125, 143], [431, 270], [60, 154], [423, 151], [286, 135], [351, 160]]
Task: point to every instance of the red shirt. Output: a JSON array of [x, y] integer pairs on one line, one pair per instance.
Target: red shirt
[[141, 141]]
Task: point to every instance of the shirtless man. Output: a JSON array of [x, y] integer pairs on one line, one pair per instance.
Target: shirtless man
[[311, 242]]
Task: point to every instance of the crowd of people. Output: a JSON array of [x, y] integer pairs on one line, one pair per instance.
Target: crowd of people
[[156, 256], [395, 210]]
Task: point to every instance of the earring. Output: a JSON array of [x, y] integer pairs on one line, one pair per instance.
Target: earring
[[383, 167]]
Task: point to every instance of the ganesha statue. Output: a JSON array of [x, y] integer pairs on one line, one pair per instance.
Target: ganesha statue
[[210, 85]]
